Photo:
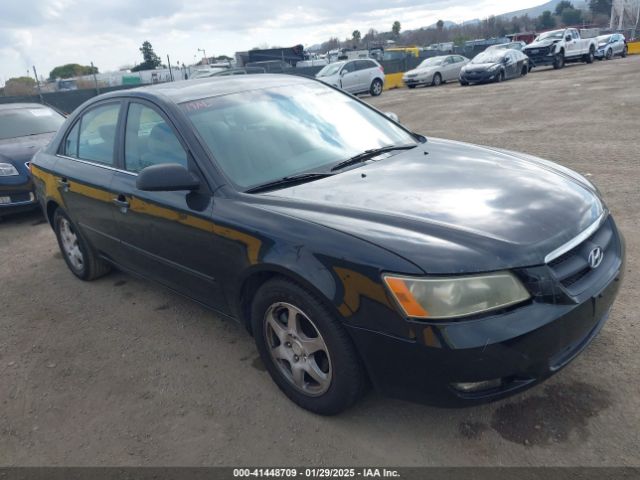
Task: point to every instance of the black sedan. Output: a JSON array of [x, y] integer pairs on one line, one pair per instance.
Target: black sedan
[[495, 65], [352, 249], [24, 128]]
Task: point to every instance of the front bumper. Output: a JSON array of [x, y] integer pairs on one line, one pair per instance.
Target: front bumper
[[20, 197], [482, 77], [541, 60], [416, 81], [516, 349]]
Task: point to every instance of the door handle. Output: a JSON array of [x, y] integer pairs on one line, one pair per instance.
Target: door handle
[[121, 202], [64, 184]]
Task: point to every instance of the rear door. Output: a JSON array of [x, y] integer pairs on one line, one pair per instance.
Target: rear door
[[166, 236], [84, 173]]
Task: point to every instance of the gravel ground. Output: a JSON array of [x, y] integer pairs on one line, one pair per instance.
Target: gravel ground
[[123, 372]]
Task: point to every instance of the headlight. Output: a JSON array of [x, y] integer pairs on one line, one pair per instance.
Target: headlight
[[7, 170], [453, 297]]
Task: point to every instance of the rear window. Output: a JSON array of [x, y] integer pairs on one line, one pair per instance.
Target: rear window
[[22, 122]]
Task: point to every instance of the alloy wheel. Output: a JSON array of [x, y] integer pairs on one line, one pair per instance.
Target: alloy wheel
[[70, 245], [297, 349]]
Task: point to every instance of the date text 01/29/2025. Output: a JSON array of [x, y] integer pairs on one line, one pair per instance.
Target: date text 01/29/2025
[[315, 472]]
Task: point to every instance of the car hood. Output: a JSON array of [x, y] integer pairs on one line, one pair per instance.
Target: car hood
[[424, 70], [451, 207], [22, 149], [541, 44]]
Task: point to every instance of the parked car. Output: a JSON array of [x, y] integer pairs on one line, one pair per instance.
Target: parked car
[[610, 46], [324, 227], [494, 65], [517, 45], [435, 70], [354, 76], [24, 128], [560, 46], [237, 71], [206, 72]]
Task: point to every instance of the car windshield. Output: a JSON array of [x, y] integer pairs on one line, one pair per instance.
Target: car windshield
[[260, 136], [604, 39], [21, 122], [431, 62], [330, 69], [489, 56], [553, 35]]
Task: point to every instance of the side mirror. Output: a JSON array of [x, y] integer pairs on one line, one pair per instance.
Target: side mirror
[[166, 177], [392, 116], [567, 38], [342, 73]]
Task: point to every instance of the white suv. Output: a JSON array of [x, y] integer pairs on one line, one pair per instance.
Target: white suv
[[363, 75]]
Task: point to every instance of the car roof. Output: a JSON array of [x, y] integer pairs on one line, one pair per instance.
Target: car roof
[[16, 106], [196, 89]]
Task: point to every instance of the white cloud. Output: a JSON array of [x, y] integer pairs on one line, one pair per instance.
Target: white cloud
[[48, 33]]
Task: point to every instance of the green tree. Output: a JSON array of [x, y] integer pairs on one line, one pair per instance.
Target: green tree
[[563, 5], [356, 36], [602, 7], [151, 60], [395, 28], [71, 70], [571, 16], [546, 20], [19, 86]]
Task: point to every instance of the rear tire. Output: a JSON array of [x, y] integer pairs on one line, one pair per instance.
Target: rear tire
[[524, 70], [437, 80], [625, 52], [500, 77], [376, 87], [78, 254], [411, 86], [463, 83], [337, 379], [590, 56]]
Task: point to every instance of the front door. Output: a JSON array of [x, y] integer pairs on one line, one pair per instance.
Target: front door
[[85, 171], [349, 78], [166, 236]]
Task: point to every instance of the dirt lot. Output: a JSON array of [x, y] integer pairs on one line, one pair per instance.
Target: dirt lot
[[122, 372]]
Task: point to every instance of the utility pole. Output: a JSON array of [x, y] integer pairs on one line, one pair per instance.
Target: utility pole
[[170, 72], [35, 74], [95, 79]]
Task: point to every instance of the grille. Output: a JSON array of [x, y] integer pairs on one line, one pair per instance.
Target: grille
[[572, 268]]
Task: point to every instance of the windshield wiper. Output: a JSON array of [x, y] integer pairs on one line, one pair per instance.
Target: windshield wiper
[[367, 154], [281, 182]]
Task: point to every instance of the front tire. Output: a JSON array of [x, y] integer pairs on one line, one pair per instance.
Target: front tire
[[609, 54], [78, 254], [376, 87], [500, 77], [411, 86], [305, 349], [463, 83], [558, 63], [437, 80]]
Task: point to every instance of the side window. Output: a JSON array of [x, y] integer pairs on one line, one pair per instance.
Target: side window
[[349, 67], [70, 148], [149, 140], [98, 133], [575, 34], [362, 65]]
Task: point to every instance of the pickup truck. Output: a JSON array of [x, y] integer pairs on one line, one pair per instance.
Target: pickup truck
[[560, 46]]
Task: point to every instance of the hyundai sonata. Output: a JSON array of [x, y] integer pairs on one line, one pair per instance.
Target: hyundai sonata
[[354, 250]]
